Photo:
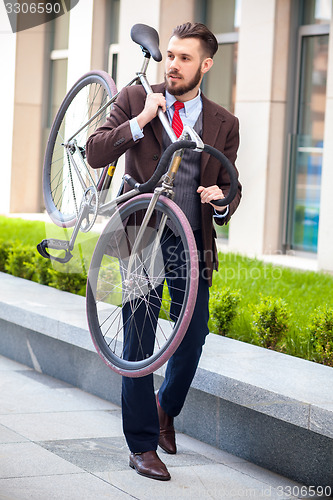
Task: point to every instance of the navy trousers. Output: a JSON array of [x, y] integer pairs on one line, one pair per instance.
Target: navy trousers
[[139, 411]]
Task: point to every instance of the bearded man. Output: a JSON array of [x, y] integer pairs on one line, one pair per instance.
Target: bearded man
[[134, 128]]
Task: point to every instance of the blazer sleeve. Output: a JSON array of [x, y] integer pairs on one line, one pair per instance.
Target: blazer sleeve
[[114, 137]]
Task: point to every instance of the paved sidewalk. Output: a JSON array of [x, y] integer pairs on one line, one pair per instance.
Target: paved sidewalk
[[58, 442]]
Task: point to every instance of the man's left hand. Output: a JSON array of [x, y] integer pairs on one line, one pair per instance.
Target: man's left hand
[[209, 194]]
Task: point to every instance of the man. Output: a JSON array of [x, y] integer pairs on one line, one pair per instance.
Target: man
[[133, 127]]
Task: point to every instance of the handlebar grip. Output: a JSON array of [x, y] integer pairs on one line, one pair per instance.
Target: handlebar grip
[[131, 182], [231, 172]]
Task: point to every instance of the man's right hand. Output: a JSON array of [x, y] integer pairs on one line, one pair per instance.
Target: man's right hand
[[153, 103]]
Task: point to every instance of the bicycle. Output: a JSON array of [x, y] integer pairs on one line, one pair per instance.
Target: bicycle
[[128, 270]]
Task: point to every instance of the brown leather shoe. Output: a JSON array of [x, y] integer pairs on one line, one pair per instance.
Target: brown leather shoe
[[167, 439], [148, 464]]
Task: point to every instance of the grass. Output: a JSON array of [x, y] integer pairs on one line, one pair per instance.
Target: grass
[[303, 291]]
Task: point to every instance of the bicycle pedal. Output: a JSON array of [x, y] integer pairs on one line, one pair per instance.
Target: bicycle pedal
[[54, 244]]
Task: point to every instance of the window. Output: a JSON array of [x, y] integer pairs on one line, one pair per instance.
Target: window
[[307, 138]]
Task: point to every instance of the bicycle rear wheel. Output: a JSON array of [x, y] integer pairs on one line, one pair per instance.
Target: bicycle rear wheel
[[63, 183], [140, 300]]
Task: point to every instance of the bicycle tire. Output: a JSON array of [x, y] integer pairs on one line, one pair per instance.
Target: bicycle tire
[[107, 298], [62, 190]]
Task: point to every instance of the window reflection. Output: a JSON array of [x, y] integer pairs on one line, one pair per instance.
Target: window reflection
[[223, 16], [309, 148], [316, 11]]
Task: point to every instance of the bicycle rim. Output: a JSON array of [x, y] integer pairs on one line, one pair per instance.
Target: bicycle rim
[[133, 323], [63, 186]]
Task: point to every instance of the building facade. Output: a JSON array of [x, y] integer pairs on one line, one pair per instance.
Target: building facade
[[274, 70]]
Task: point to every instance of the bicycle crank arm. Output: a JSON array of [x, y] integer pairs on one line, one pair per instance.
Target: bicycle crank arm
[[54, 244]]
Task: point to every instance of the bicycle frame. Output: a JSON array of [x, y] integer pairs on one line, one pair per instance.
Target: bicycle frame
[[95, 204]]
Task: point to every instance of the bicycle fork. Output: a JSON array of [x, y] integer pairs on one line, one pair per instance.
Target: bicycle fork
[[138, 239]]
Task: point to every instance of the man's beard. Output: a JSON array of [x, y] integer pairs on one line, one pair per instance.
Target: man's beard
[[183, 89]]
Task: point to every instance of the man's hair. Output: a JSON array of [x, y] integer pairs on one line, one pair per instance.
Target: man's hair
[[200, 31]]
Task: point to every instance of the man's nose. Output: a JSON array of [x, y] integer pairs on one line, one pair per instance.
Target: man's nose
[[174, 64]]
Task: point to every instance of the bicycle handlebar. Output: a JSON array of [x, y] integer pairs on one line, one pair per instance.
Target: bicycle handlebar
[[165, 159]]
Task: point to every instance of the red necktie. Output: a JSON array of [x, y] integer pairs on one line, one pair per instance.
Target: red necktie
[[177, 124]]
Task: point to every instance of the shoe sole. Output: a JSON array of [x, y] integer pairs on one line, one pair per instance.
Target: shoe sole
[[167, 451], [149, 476]]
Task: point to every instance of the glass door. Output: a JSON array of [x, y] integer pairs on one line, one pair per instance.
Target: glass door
[[307, 140]]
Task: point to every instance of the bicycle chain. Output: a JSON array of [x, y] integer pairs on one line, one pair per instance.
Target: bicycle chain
[[72, 184], [89, 223]]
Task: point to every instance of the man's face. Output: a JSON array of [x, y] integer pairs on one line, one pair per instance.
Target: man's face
[[184, 66]]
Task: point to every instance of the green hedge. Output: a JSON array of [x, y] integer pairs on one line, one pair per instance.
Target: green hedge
[[25, 262]]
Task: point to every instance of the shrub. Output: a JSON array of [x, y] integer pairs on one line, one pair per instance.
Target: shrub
[[321, 331], [270, 321], [70, 278], [5, 247], [223, 309], [19, 261], [41, 267]]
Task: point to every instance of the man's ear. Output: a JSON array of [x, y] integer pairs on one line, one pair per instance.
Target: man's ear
[[206, 64]]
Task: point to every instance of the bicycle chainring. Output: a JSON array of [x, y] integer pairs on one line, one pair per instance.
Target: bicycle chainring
[[91, 201]]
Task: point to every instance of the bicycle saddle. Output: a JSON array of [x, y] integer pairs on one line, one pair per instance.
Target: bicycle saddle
[[148, 38]]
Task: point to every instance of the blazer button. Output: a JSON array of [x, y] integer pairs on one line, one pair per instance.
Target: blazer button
[[155, 157]]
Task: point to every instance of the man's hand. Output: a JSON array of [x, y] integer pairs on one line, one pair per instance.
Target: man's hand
[[209, 194], [153, 102]]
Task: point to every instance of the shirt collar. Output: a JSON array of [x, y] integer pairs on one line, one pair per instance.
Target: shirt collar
[[189, 106]]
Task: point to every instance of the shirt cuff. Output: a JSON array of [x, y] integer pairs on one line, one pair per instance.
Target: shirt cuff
[[218, 215], [136, 130]]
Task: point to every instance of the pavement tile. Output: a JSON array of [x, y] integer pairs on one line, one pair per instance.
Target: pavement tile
[[9, 436], [29, 459], [93, 455], [64, 425], [80, 486], [214, 482], [215, 454], [31, 392]]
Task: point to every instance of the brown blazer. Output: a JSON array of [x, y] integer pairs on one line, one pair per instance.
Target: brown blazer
[[220, 129]]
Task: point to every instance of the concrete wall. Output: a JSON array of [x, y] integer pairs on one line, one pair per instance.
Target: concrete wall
[[173, 13], [25, 193], [254, 108]]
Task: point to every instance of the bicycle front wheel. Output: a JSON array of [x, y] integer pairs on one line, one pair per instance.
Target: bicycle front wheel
[[142, 286], [66, 173]]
